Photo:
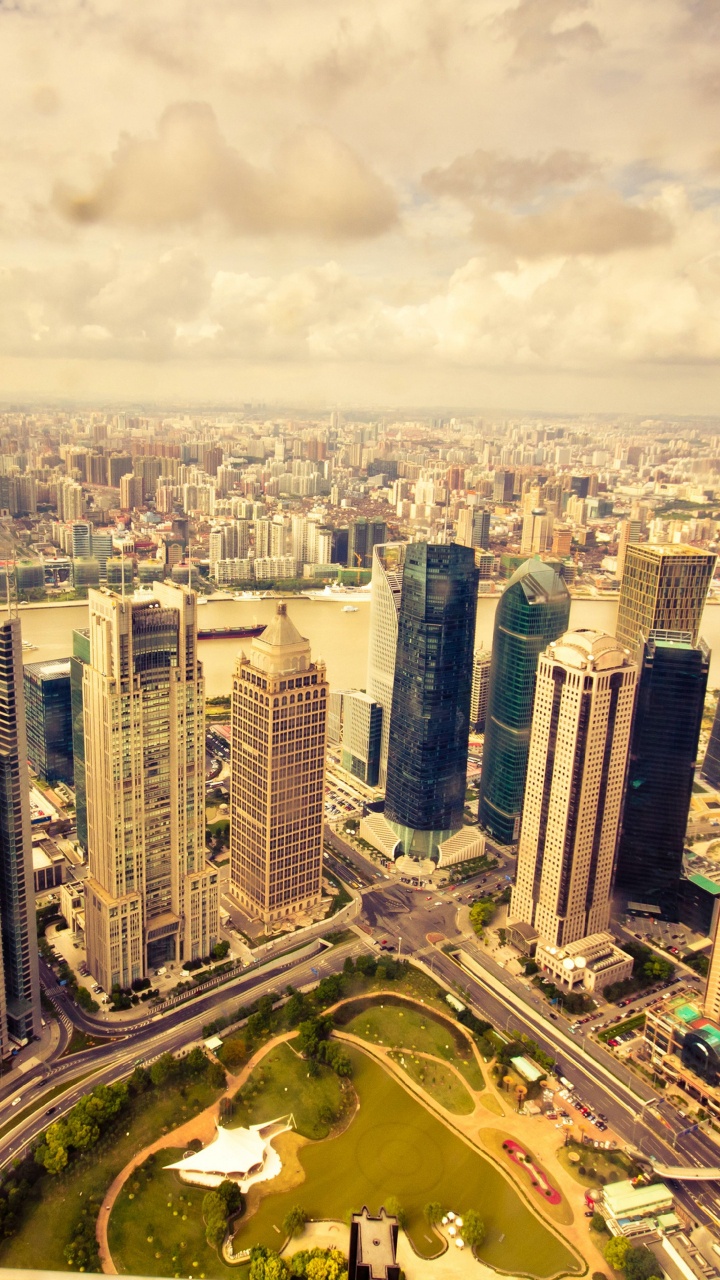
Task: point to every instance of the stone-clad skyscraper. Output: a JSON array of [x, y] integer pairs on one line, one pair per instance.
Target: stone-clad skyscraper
[[534, 609], [277, 774], [19, 979], [429, 722], [151, 897], [663, 749], [582, 715]]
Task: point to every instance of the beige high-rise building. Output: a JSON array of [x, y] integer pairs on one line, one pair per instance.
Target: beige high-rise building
[[582, 715], [151, 897], [664, 588], [537, 528], [277, 774]]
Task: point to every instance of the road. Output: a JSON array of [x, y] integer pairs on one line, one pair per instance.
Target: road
[[175, 1031], [634, 1110]]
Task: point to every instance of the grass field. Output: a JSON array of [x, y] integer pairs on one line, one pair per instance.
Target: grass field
[[394, 1146], [282, 1083], [611, 1166], [157, 1228], [437, 1079], [398, 1025], [50, 1221]]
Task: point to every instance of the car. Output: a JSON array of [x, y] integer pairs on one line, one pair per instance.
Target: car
[[613, 1043], [589, 1213], [51, 1111]]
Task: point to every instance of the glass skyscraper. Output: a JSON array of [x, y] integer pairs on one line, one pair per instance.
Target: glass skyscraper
[[663, 750], [49, 719], [533, 611], [711, 764], [429, 721]]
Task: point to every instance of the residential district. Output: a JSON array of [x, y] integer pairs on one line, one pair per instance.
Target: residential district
[[404, 960]]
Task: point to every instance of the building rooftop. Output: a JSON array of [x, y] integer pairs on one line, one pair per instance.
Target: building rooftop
[[375, 1243], [589, 649]]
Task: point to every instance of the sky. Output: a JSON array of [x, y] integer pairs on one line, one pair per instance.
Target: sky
[[399, 203]]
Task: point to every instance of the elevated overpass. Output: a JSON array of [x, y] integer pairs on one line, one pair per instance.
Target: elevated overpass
[[687, 1172]]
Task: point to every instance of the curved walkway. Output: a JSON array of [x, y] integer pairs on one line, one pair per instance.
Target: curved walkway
[[202, 1126]]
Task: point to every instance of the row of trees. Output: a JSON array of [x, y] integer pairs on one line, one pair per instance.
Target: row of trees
[[638, 1263], [307, 1264], [218, 1208]]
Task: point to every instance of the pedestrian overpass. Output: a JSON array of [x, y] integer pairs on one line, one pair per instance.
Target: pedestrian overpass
[[687, 1172]]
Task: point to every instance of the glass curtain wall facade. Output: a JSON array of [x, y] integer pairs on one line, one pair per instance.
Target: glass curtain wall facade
[[49, 719], [20, 982], [664, 587], [663, 750], [533, 611], [429, 722], [387, 572]]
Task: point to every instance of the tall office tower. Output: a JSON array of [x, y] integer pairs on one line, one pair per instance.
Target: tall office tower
[[503, 486], [361, 736], [663, 750], [630, 531], [712, 986], [582, 716], [19, 978], [363, 536], [81, 538], [429, 720], [48, 718], [277, 774], [386, 588], [480, 689], [664, 588], [473, 527], [537, 530], [711, 764], [533, 610], [80, 656], [151, 897]]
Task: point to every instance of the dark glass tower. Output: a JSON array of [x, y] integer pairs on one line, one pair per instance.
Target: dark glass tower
[[20, 994], [533, 611], [49, 719], [429, 721], [81, 655], [663, 749]]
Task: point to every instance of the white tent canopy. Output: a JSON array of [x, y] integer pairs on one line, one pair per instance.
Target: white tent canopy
[[244, 1156]]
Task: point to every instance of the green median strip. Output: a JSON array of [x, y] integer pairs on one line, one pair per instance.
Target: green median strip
[[42, 1099], [630, 1024]]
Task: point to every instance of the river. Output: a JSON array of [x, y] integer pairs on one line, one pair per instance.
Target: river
[[341, 639]]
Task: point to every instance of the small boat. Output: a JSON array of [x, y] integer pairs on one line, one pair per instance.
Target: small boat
[[349, 608], [202, 599]]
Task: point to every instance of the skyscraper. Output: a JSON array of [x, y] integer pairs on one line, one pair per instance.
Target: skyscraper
[[671, 693], [711, 764], [533, 610], [151, 897], [48, 718], [277, 774], [537, 530], [429, 720], [19, 978], [582, 716], [664, 588], [363, 536], [361, 735], [80, 655], [480, 689], [387, 570]]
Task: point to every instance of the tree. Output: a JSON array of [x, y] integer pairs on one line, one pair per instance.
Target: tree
[[162, 1071], [393, 1207], [265, 1264], [232, 1196], [220, 950], [473, 1229], [432, 1213], [215, 1215], [481, 913], [234, 1054], [616, 1251], [294, 1221], [640, 1264], [598, 1223]]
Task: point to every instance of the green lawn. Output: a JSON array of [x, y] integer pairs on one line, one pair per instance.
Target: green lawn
[[436, 1079], [282, 1083], [49, 1223], [394, 1146], [156, 1227], [399, 1025]]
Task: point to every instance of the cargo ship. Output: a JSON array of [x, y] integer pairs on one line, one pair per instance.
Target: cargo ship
[[231, 633]]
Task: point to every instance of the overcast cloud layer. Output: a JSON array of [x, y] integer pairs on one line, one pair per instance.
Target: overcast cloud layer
[[443, 202]]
